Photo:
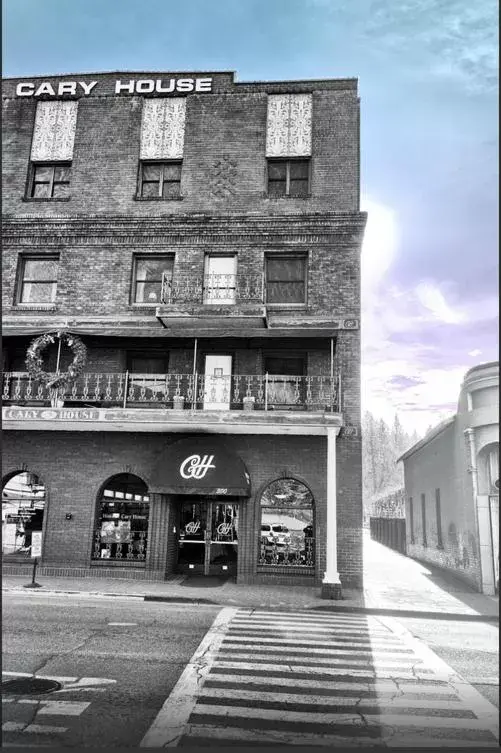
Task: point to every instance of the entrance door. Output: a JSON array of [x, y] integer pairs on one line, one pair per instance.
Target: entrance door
[[208, 537], [217, 391], [220, 279]]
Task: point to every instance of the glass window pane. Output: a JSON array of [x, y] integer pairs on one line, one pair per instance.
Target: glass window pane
[[287, 492], [276, 170], [39, 292], [285, 292], [61, 190], [62, 173], [40, 269], [148, 292], [298, 188], [43, 172], [172, 172], [285, 365], [149, 190], [151, 172], [152, 365], [299, 169], [41, 191], [171, 190], [285, 269], [276, 188], [152, 268]]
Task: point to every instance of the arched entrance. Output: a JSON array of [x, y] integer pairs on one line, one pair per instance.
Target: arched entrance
[[23, 506]]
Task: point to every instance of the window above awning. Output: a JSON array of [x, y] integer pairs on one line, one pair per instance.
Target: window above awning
[[200, 465]]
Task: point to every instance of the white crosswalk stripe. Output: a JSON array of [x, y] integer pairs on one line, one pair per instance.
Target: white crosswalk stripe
[[327, 680]]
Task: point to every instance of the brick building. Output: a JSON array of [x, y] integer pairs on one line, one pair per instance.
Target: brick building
[[201, 238], [452, 486]]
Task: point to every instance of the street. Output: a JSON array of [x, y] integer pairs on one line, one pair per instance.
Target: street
[[256, 676]]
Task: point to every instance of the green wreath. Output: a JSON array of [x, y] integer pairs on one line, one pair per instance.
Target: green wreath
[[34, 359]]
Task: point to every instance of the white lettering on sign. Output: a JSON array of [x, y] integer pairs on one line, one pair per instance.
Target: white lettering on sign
[[192, 527], [141, 86], [223, 529], [29, 89], [196, 466]]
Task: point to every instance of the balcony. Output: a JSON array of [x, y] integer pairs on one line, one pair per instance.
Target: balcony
[[213, 298], [181, 391]]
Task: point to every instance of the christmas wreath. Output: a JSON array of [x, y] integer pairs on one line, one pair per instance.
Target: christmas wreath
[[34, 359]]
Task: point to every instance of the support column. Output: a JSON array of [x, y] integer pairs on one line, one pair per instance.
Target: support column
[[331, 584], [156, 554], [483, 520]]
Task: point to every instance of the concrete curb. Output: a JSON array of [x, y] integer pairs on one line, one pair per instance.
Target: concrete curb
[[337, 608]]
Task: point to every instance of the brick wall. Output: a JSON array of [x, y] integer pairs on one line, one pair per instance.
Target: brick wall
[[74, 466]]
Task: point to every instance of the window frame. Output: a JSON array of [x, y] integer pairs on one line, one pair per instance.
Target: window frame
[[438, 513], [287, 161], [137, 257], [284, 257], [162, 163], [21, 280], [32, 182]]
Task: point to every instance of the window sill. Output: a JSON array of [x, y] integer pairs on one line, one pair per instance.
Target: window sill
[[286, 306], [41, 200], [157, 198], [34, 307], [144, 305], [287, 198]]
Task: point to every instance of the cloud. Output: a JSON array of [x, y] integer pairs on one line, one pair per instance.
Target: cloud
[[433, 299], [475, 352]]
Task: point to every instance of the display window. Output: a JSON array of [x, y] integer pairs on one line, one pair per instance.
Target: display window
[[121, 528], [23, 505], [286, 537]]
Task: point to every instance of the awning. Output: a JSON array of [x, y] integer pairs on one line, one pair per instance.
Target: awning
[[200, 465]]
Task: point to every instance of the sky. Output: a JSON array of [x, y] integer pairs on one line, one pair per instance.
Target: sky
[[428, 78]]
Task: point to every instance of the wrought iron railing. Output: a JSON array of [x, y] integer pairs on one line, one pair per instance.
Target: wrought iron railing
[[215, 289], [197, 391]]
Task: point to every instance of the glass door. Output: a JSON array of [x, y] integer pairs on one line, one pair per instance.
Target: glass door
[[208, 537], [192, 536], [223, 542]]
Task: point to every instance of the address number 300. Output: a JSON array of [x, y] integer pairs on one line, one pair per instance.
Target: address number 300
[[221, 491]]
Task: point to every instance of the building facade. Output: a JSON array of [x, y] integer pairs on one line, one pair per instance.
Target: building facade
[[181, 292], [452, 486]]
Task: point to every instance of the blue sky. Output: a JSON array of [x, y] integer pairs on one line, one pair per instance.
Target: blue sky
[[428, 77]]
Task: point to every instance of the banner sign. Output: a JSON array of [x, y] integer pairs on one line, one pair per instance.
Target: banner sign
[[129, 86], [36, 543]]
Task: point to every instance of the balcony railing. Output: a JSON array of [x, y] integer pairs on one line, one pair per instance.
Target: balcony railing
[[213, 289], [196, 391]]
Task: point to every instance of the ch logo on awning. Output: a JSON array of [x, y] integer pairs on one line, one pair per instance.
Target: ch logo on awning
[[195, 466]]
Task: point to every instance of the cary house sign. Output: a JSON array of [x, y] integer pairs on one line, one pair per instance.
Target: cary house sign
[[141, 86]]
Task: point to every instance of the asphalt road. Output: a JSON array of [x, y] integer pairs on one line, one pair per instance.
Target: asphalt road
[[73, 638], [470, 648], [116, 677]]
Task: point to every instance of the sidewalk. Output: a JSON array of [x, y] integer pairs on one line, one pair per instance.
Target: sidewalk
[[393, 584]]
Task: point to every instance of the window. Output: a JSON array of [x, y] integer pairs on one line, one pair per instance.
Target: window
[[160, 180], [285, 384], [286, 280], [440, 543], [423, 516], [289, 177], [286, 529], [411, 521], [152, 275], [38, 279], [147, 374], [50, 181], [121, 527]]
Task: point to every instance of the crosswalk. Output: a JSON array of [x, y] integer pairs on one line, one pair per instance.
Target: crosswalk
[[305, 678]]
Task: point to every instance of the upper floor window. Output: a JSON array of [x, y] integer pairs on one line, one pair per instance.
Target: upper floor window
[[151, 274], [286, 279], [160, 180], [289, 177], [38, 279], [50, 181], [220, 279]]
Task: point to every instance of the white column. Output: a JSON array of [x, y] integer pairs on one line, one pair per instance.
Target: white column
[[331, 576], [482, 513]]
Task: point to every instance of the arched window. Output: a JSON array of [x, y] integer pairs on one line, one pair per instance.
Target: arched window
[[23, 504], [121, 527], [287, 525]]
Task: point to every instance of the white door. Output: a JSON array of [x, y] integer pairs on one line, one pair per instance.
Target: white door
[[220, 279], [217, 391]]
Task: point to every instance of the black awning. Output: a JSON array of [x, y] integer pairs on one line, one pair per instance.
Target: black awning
[[200, 465]]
